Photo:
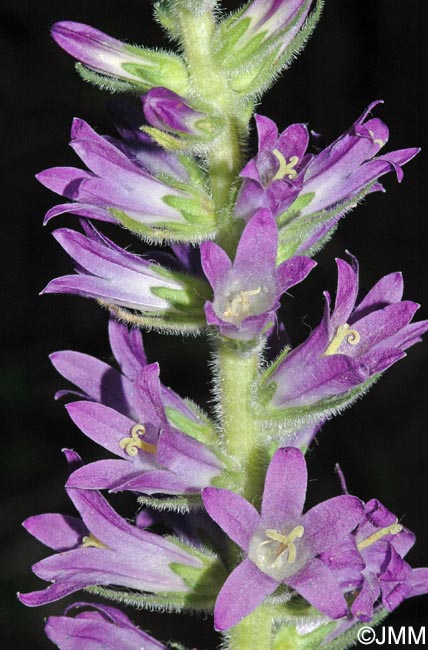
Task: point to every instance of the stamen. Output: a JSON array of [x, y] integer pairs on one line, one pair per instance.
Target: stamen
[[134, 443], [240, 305], [286, 544], [90, 540], [394, 529], [285, 168], [378, 141], [344, 333]]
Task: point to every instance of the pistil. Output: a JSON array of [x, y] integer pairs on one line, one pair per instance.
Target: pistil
[[132, 444], [394, 529], [240, 306], [343, 333], [285, 168], [286, 544]]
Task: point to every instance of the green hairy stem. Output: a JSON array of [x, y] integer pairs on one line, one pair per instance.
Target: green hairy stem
[[236, 365]]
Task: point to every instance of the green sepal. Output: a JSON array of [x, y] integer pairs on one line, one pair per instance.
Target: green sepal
[[293, 418], [231, 53], [160, 602], [197, 175], [197, 211], [273, 366], [158, 68], [164, 139], [165, 323], [295, 209], [194, 294], [182, 504], [166, 231], [287, 638], [164, 14], [104, 82], [294, 229], [185, 301], [209, 129], [203, 431], [204, 583]]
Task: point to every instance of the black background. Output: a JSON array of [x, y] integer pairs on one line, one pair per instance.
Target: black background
[[362, 50]]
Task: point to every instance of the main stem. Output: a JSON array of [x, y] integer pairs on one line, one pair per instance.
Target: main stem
[[237, 365], [237, 369], [210, 86]]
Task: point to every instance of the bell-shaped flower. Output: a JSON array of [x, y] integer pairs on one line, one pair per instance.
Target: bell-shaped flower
[[351, 346], [256, 42], [148, 191], [167, 111], [102, 548], [98, 381], [247, 290], [384, 578], [125, 412], [281, 545], [308, 193], [139, 67], [124, 390], [163, 462], [90, 626], [119, 278]]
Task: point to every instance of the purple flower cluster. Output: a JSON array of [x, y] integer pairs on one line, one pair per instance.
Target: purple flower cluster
[[239, 239], [339, 552], [306, 193]]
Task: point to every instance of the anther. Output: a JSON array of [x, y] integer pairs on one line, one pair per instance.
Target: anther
[[134, 443], [90, 540], [378, 141], [240, 304]]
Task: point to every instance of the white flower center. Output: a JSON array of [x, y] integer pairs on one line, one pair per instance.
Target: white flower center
[[278, 554], [241, 297]]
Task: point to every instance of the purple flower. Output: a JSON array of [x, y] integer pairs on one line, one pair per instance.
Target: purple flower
[[167, 462], [168, 111], [108, 56], [281, 545], [272, 19], [124, 185], [119, 278], [101, 548], [383, 576], [307, 193], [97, 627], [125, 413], [266, 28], [247, 291], [350, 346]]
